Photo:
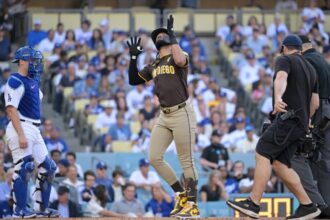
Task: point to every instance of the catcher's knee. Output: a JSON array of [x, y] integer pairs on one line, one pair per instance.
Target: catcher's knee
[[23, 169], [48, 167]]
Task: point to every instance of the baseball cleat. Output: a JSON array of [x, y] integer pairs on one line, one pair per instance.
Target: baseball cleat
[[24, 213], [49, 213], [190, 211], [180, 202], [246, 207]]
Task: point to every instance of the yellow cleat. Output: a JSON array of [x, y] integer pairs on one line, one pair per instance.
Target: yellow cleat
[[180, 202], [190, 211]]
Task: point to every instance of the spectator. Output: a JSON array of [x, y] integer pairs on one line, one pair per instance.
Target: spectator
[[36, 35], [96, 207], [5, 187], [55, 141], [135, 98], [161, 203], [108, 117], [60, 33], [149, 111], [93, 108], [3, 80], [118, 44], [234, 38], [122, 107], [72, 178], [238, 134], [103, 179], [85, 88], [47, 44], [188, 40], [121, 70], [72, 158], [248, 145], [55, 56], [246, 184], [128, 205], [87, 190], [84, 34], [224, 30], [56, 156], [146, 41], [110, 65], [238, 171], [214, 190], [147, 57], [252, 24], [106, 32], [98, 59], [284, 5], [69, 43], [66, 207], [326, 6], [104, 91], [117, 185], [5, 47], [96, 40], [256, 41], [231, 185], [144, 177], [82, 66], [216, 154], [276, 27], [313, 15], [249, 72], [63, 167]]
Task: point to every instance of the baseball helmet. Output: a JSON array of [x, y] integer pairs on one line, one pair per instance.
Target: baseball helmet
[[156, 32], [24, 53]]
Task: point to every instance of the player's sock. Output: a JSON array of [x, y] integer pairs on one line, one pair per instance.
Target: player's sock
[[177, 187], [191, 188]]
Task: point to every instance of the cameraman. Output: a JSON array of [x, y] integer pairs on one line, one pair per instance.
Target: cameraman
[[320, 165]]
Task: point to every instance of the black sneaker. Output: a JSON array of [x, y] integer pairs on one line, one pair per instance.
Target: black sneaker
[[305, 212], [246, 207]]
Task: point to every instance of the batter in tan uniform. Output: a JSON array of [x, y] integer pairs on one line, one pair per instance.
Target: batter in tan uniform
[[177, 118]]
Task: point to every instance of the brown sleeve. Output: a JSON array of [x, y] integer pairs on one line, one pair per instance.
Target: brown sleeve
[[146, 73]]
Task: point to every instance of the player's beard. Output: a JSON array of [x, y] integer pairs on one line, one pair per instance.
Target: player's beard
[[165, 41]]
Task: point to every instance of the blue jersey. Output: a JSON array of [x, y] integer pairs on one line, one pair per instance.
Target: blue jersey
[[23, 93]]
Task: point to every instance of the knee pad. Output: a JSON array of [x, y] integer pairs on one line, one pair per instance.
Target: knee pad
[[22, 174], [43, 183]]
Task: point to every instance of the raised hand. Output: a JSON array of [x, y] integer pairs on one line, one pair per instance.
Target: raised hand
[[170, 30], [134, 47]]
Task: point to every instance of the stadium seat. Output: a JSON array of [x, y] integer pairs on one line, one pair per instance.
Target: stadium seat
[[80, 104], [135, 127], [220, 19], [145, 19], [204, 23], [121, 146], [327, 23], [182, 19], [48, 20], [91, 54], [95, 18], [91, 119], [295, 22], [67, 92], [119, 21], [269, 18], [103, 130], [70, 20], [247, 15]]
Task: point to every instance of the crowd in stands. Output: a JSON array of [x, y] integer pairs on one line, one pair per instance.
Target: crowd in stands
[[94, 64]]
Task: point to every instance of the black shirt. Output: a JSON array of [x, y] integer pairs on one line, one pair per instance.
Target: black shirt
[[322, 68], [212, 195], [216, 153], [298, 91]]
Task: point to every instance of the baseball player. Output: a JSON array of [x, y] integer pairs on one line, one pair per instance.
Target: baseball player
[[177, 118], [22, 97]]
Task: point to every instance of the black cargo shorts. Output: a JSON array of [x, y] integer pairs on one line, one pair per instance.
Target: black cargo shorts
[[272, 143]]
